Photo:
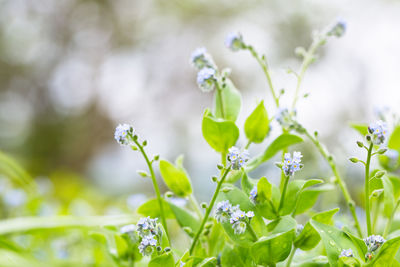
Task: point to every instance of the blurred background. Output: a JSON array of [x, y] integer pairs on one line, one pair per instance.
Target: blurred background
[[71, 70]]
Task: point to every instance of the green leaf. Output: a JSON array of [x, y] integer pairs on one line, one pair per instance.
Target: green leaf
[[236, 257], [165, 260], [396, 186], [121, 245], [27, 224], [151, 208], [247, 183], [295, 189], [349, 262], [386, 253], [273, 248], [208, 262], [309, 197], [256, 126], [175, 178], [394, 139], [231, 102], [334, 241], [309, 237], [388, 196], [219, 134], [264, 190], [362, 128], [12, 170], [185, 218]]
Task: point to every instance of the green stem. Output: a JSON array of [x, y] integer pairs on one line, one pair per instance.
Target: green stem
[[247, 145], [266, 72], [251, 231], [367, 208], [223, 158], [195, 205], [283, 193], [390, 221], [307, 60], [350, 202], [155, 186], [291, 256], [221, 101], [208, 210]]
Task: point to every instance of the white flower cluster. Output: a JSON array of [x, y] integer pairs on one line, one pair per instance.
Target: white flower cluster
[[378, 131], [237, 218], [237, 158], [148, 231], [373, 242], [346, 253], [123, 134]]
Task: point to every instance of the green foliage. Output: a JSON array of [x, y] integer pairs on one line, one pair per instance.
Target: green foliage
[[231, 101], [176, 178], [256, 126], [220, 134]]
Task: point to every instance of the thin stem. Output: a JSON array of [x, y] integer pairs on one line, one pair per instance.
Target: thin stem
[[283, 176], [390, 221], [307, 60], [291, 256], [195, 206], [155, 186], [283, 193], [251, 231], [266, 72], [223, 158], [208, 210], [342, 185], [247, 145], [367, 208], [221, 101]]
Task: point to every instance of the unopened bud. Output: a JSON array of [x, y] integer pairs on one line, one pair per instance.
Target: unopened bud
[[169, 194], [382, 151], [144, 143], [360, 144], [167, 249], [220, 166], [143, 173], [203, 205], [156, 157], [214, 179], [159, 249], [354, 160], [134, 148], [379, 174], [226, 189]]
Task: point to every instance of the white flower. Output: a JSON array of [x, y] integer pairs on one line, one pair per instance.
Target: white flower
[[123, 134], [146, 247], [237, 158], [346, 253], [379, 132], [292, 164], [206, 79], [234, 41]]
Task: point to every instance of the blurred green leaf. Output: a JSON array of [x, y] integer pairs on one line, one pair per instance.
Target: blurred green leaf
[[164, 260], [231, 102], [236, 257], [26, 224], [348, 262], [394, 139], [120, 245], [264, 190], [388, 196], [175, 178], [152, 208], [362, 128], [185, 218], [219, 134], [208, 262], [12, 170], [256, 126]]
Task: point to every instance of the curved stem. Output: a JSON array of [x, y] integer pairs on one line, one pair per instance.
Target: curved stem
[[342, 185], [291, 256], [195, 205], [389, 222], [283, 193], [251, 231], [266, 72], [247, 145], [155, 186], [367, 208], [208, 210]]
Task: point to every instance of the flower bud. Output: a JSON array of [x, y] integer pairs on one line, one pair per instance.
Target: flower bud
[[354, 160], [143, 173], [379, 174], [382, 151], [167, 249], [360, 144], [220, 166], [169, 194], [226, 189], [203, 205], [144, 143], [214, 179]]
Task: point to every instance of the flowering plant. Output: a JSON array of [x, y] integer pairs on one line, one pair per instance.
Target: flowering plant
[[251, 221]]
